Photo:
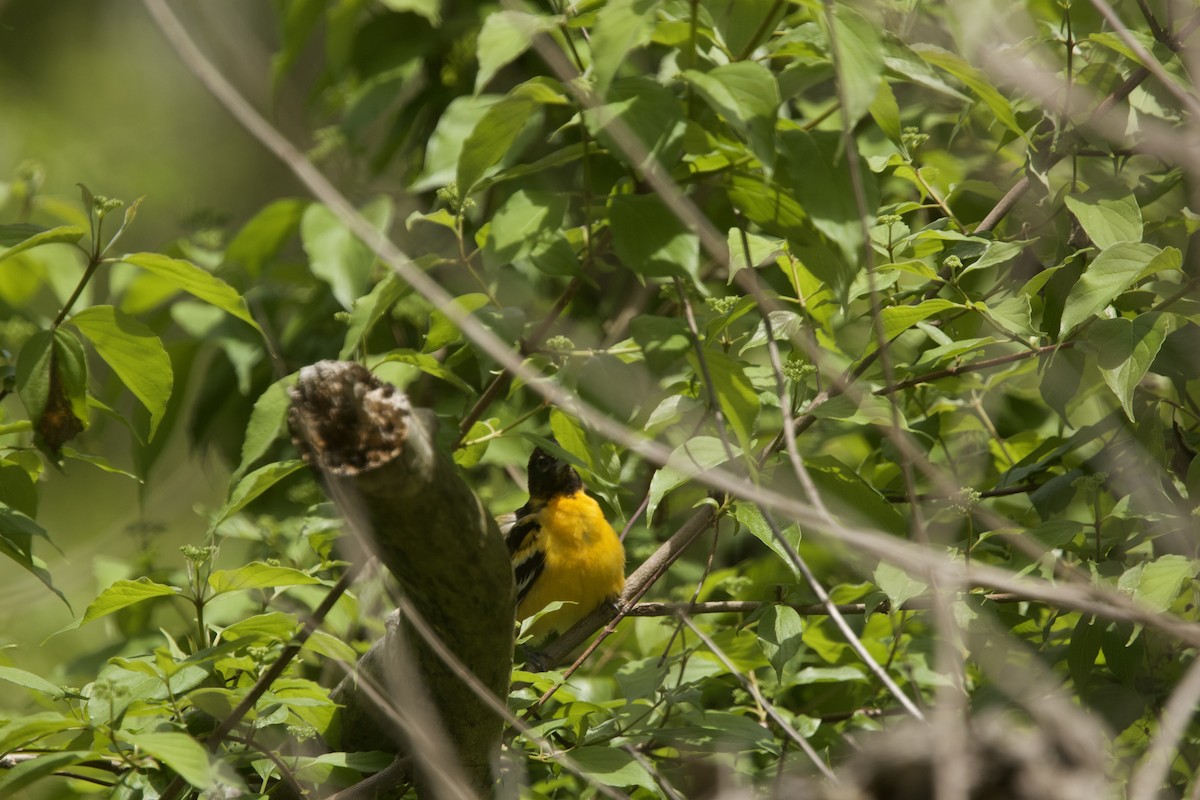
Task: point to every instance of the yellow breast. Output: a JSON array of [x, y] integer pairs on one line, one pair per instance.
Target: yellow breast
[[584, 563]]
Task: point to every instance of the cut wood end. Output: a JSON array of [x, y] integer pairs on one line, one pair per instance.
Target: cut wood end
[[345, 420]]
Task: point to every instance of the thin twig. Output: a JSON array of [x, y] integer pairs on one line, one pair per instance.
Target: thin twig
[[766, 705], [805, 609], [976, 366]]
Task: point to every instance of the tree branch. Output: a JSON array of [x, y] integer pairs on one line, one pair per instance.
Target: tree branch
[[376, 457]]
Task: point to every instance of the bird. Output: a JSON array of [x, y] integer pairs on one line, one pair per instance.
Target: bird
[[562, 548]]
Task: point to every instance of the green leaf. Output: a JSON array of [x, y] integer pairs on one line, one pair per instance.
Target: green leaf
[[274, 626], [100, 463], [33, 373], [30, 681], [763, 249], [886, 112], [897, 585], [19, 238], [1125, 349], [13, 235], [429, 9], [1083, 649], [734, 392], [257, 575], [122, 594], [135, 354], [430, 366], [974, 80], [336, 255], [70, 363], [442, 331], [651, 241], [772, 207], [1109, 214], [330, 646], [570, 437], [17, 532], [17, 489], [25, 773], [744, 24], [26, 729], [1169, 258], [492, 137], [1012, 314], [187, 277], [371, 308], [51, 380], [527, 227], [897, 319], [471, 452], [1110, 274], [253, 485], [698, 454], [445, 146], [752, 517], [268, 419], [612, 766], [746, 95], [648, 112], [779, 632], [504, 37], [847, 495], [665, 341], [1057, 532], [811, 675], [1122, 654], [994, 255], [320, 769], [180, 752], [1162, 580], [859, 60], [818, 172], [261, 239], [621, 26]]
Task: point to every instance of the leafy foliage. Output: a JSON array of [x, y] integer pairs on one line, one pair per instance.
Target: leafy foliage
[[838, 252]]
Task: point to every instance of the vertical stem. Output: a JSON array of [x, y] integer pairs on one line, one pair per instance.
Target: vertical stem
[[202, 629]]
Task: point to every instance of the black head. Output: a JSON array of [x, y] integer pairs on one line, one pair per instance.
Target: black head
[[550, 476]]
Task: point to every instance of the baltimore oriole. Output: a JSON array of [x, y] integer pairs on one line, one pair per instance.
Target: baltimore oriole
[[562, 548]]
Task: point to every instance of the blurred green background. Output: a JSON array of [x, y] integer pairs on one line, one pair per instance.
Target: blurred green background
[[91, 93]]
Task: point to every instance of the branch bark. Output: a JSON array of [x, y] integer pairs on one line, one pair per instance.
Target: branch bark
[[376, 457]]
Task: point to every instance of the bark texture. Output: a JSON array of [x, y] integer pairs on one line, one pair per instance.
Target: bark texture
[[376, 457]]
